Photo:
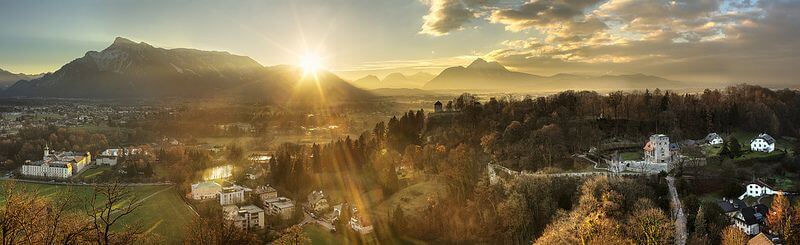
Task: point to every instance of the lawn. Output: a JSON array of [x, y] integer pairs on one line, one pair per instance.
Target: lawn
[[92, 172], [744, 140], [162, 212], [631, 155]]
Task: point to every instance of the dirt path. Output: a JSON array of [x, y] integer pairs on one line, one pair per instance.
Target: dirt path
[[677, 212]]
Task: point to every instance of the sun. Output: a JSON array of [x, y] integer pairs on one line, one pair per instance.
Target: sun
[[311, 63]]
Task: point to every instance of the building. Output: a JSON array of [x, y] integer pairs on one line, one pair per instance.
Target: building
[[232, 195], [657, 150], [259, 158], [763, 143], [280, 206], [265, 192], [61, 165], [205, 190], [763, 239], [248, 217], [757, 188], [109, 157], [317, 202], [437, 107], [747, 219], [359, 223], [714, 139]]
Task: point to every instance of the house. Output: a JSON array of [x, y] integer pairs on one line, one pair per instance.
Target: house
[[359, 223], [763, 239], [437, 107], [61, 165], [259, 158], [317, 201], [657, 149], [109, 157], [280, 206], [747, 219], [763, 143], [758, 188], [248, 217], [232, 195], [205, 190], [265, 192], [714, 139]]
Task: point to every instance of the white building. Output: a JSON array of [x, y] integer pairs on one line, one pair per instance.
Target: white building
[[763, 143], [232, 195], [247, 217], [280, 206], [747, 219], [360, 224], [109, 157], [657, 150], [205, 190], [714, 139], [757, 188], [60, 165]]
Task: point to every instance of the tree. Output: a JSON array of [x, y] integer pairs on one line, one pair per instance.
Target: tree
[[734, 147], [216, 231], [732, 235], [107, 205], [293, 235], [650, 226], [779, 213], [700, 229]]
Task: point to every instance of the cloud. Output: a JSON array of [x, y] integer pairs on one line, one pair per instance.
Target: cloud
[[445, 16], [542, 13], [691, 40]]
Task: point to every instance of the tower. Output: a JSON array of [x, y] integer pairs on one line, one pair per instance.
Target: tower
[[46, 150]]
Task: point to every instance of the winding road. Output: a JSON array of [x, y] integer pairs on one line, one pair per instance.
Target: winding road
[[677, 212]]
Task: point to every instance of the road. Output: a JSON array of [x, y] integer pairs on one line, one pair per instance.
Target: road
[[677, 212], [82, 184], [307, 218]]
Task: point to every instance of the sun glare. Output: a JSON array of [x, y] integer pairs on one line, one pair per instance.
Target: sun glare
[[311, 63]]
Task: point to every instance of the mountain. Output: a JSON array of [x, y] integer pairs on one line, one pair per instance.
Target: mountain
[[8, 78], [127, 69], [394, 80], [483, 75]]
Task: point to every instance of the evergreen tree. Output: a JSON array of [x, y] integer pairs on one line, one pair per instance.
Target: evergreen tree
[[734, 147], [700, 223], [725, 151]]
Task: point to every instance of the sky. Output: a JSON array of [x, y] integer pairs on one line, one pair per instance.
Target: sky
[[690, 40]]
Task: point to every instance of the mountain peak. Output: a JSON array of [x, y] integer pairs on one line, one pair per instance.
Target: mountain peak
[[481, 64], [122, 40]]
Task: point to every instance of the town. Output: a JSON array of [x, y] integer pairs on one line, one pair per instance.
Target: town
[[266, 190]]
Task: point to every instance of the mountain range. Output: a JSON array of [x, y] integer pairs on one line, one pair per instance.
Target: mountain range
[[8, 78], [483, 75], [394, 80], [127, 69]]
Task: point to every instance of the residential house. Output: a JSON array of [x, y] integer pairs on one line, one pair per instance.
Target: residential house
[[764, 239], [248, 217], [317, 202], [714, 139], [280, 206], [747, 219], [205, 190], [763, 143], [758, 188]]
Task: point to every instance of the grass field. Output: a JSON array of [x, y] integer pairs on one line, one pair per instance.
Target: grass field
[[631, 155], [162, 211]]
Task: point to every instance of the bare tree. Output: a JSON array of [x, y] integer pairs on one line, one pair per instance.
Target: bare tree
[[106, 207]]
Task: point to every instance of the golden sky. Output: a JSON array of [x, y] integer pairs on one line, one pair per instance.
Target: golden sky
[[690, 40]]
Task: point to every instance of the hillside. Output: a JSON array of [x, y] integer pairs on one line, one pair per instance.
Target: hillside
[[483, 75], [394, 80], [8, 78]]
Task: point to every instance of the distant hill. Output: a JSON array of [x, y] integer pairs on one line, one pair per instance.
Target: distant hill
[[394, 80], [483, 75], [8, 78], [127, 69]]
